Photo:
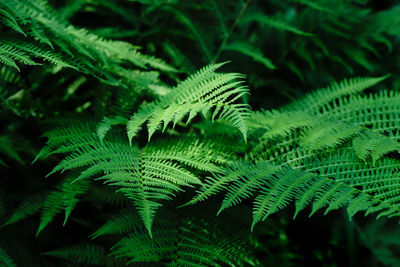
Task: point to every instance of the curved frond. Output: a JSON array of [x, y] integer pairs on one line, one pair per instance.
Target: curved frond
[[250, 51], [146, 176], [203, 92]]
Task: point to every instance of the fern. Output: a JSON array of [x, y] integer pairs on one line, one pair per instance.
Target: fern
[[8, 148], [42, 22], [278, 186], [179, 243], [197, 34], [374, 145], [28, 207], [276, 23], [323, 97], [146, 176], [65, 198], [83, 254], [214, 166], [5, 258], [250, 51], [200, 92]]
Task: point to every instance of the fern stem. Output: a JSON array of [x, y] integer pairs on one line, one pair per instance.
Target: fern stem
[[226, 38]]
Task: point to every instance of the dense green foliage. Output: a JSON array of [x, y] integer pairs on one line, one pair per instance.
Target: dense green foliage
[[192, 133]]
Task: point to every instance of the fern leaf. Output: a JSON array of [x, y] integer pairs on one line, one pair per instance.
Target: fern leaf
[[8, 148], [198, 93], [273, 22], [197, 34], [180, 242], [328, 134], [52, 206], [105, 125], [10, 20], [8, 61], [70, 193], [277, 194], [248, 181], [14, 53], [328, 194], [40, 53], [313, 5], [125, 222], [5, 259], [146, 176], [212, 186], [321, 97], [250, 51], [82, 254], [375, 145], [221, 22], [28, 207], [63, 198], [39, 33], [137, 120]]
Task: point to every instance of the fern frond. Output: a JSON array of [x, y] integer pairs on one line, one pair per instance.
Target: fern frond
[[9, 18], [83, 254], [146, 176], [213, 185], [318, 131], [70, 46], [220, 17], [374, 145], [40, 34], [5, 259], [63, 198], [273, 22], [10, 54], [330, 126], [375, 111], [183, 243], [276, 186], [125, 222], [250, 51], [38, 52], [8, 61], [105, 125], [251, 179], [328, 134], [8, 148], [71, 191], [28, 207], [334, 176], [278, 192], [322, 97], [196, 32], [199, 93], [313, 5]]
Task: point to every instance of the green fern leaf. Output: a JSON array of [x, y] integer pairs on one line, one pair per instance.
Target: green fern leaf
[[28, 207], [182, 243], [52, 206], [10, 20], [250, 51], [5, 259], [63, 198], [146, 176], [375, 145], [273, 22], [321, 97], [83, 254], [199, 93], [251, 179]]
